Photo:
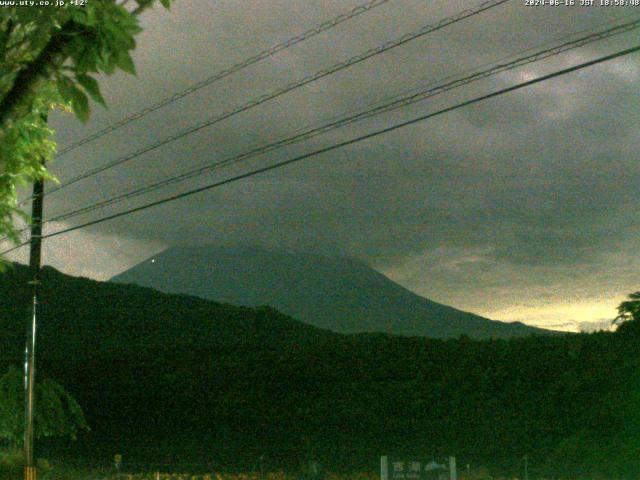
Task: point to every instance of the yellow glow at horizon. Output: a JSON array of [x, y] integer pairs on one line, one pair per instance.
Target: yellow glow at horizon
[[553, 314]]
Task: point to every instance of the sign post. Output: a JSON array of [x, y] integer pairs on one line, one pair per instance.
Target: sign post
[[384, 468], [117, 462], [394, 468], [453, 472]]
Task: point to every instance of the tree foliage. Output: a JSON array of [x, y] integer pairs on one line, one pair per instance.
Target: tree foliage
[[51, 57], [57, 414], [628, 319], [629, 309]]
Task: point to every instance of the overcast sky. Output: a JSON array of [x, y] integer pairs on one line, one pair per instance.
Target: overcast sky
[[524, 207]]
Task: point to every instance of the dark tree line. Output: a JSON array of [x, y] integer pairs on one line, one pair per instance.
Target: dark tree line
[[175, 378]]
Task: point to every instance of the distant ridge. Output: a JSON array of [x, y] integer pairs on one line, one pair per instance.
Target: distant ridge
[[335, 293]]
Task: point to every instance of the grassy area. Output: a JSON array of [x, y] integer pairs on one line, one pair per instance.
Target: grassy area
[[11, 468]]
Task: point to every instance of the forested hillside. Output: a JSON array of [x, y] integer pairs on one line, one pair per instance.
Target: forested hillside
[[166, 378]]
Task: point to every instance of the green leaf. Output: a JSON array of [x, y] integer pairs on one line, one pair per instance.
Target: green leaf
[[80, 105], [166, 4], [92, 88], [79, 15], [28, 15], [65, 85], [71, 93], [92, 19], [125, 62], [86, 58]]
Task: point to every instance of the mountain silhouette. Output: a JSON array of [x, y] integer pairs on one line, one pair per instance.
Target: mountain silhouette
[[335, 293]]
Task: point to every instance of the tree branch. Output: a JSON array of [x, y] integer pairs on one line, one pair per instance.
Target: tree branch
[[17, 100], [142, 6]]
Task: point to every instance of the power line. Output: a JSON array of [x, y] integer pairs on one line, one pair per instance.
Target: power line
[[341, 144], [290, 87], [359, 58], [564, 38], [394, 104], [312, 32]]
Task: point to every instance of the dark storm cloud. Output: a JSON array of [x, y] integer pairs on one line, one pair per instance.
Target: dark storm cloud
[[541, 177]]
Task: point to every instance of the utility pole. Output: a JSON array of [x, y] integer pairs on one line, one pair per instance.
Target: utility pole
[[30, 350]]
